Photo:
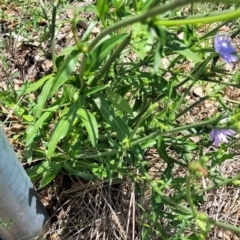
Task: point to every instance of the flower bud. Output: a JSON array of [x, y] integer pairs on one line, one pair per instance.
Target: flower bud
[[203, 160]]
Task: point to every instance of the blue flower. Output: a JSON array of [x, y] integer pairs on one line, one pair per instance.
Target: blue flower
[[220, 135], [223, 46]]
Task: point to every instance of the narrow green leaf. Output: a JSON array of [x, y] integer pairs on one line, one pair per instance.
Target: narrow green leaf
[[90, 124], [64, 72], [96, 89], [89, 29], [31, 131], [161, 148], [102, 10], [119, 102], [36, 85], [114, 121], [50, 174], [34, 172], [42, 98], [157, 58], [61, 129], [68, 50], [111, 59], [117, 4], [145, 5], [183, 49], [77, 170], [29, 155], [98, 55]]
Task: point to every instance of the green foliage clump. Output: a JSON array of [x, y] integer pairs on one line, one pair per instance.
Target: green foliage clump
[[110, 98]]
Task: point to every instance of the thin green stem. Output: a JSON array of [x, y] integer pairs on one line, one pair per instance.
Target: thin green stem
[[224, 226], [188, 195], [163, 196], [208, 18], [151, 136], [98, 155], [170, 202], [77, 43], [228, 181], [230, 100], [199, 101], [172, 130], [142, 118], [212, 31], [192, 10], [53, 41], [220, 82]]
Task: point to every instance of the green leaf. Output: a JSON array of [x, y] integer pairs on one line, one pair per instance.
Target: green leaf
[[145, 5], [34, 172], [89, 30], [31, 131], [102, 11], [100, 171], [117, 4], [90, 124], [77, 170], [114, 121], [68, 50], [50, 174], [61, 129], [42, 98], [64, 72], [142, 41], [181, 48], [157, 58], [96, 89], [29, 153], [98, 55], [119, 102], [36, 85], [161, 148], [164, 86]]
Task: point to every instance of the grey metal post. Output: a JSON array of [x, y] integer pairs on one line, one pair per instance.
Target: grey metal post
[[19, 201]]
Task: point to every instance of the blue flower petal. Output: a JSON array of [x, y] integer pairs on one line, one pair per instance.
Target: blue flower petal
[[219, 136], [229, 58], [223, 46], [228, 49]]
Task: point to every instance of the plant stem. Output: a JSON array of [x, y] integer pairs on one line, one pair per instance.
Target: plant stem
[[98, 155], [142, 118], [224, 226], [163, 196], [188, 195], [151, 136], [228, 181], [208, 18], [199, 101], [53, 41], [172, 130], [170, 202]]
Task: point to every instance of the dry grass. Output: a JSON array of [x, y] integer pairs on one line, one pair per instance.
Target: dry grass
[[94, 210]]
